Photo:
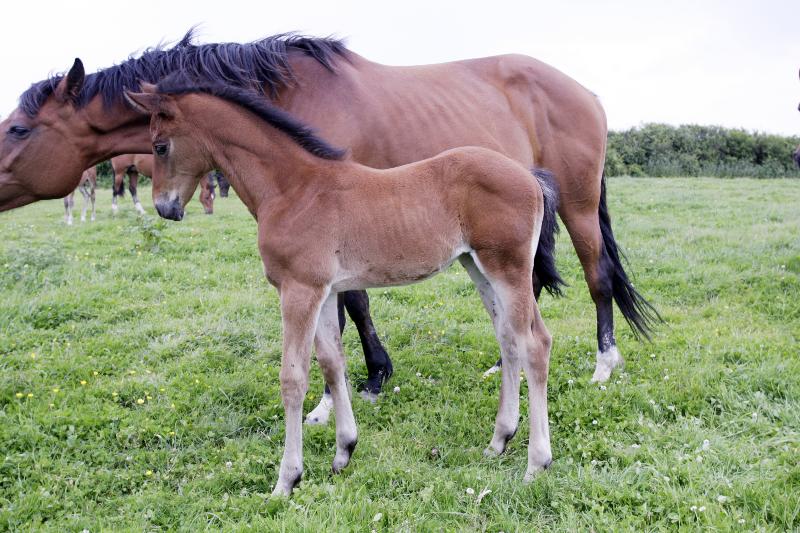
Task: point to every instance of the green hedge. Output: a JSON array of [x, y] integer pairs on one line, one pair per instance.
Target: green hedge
[[690, 150]]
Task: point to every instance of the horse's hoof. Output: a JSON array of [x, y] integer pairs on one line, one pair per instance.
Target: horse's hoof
[[371, 397], [494, 370], [606, 363]]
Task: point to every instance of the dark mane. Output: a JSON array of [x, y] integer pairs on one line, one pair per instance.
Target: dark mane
[[261, 65], [255, 103]]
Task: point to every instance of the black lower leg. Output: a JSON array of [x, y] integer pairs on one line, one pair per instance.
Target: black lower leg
[[603, 300], [379, 366]]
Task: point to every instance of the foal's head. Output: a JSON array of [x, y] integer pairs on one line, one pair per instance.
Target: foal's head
[[180, 161]]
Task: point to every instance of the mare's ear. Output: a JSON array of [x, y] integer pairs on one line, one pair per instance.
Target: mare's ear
[[70, 85], [146, 103]]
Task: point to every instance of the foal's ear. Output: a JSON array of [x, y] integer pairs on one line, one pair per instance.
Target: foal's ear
[[70, 85], [146, 103]]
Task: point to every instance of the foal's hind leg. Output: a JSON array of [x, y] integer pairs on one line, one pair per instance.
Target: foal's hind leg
[[85, 205], [133, 181], [332, 362], [322, 412], [507, 419]]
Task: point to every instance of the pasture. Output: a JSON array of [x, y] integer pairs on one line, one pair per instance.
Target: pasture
[[140, 381]]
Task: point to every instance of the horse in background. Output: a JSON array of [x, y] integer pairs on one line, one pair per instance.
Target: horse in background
[[87, 186], [133, 165], [222, 181]]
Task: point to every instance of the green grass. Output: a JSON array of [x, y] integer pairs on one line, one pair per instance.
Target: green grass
[[146, 356]]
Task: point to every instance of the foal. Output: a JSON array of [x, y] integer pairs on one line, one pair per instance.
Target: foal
[[327, 224], [87, 186]]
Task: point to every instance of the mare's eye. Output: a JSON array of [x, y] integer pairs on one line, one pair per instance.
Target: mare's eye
[[160, 148], [20, 132]]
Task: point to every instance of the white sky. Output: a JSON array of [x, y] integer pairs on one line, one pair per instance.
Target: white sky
[[704, 61]]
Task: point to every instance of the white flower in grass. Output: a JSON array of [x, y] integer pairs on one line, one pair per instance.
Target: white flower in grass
[[706, 445], [722, 499], [396, 390], [701, 509], [603, 387], [635, 446], [693, 508], [570, 381], [377, 517], [594, 422], [741, 520], [470, 491]]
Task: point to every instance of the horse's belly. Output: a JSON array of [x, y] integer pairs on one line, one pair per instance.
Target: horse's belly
[[395, 271]]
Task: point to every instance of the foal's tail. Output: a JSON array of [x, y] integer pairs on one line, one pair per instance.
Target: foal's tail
[[544, 262], [638, 312]]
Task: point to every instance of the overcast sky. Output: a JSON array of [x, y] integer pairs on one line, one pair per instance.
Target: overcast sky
[[730, 63]]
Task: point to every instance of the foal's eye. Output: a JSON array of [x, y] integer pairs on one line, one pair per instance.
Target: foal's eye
[[20, 132], [160, 148]]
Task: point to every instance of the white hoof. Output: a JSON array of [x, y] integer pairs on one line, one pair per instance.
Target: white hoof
[[606, 363], [371, 397], [494, 370], [69, 222], [140, 209], [321, 413]]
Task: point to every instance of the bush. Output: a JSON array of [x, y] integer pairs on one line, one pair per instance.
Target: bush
[[692, 150]]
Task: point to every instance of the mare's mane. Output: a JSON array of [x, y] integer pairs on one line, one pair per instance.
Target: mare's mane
[[260, 65]]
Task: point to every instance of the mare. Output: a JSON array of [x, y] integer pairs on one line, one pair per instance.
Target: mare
[[327, 224], [386, 115], [87, 186], [134, 164]]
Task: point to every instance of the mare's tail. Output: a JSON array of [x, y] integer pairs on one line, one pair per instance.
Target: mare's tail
[[544, 262], [640, 315]]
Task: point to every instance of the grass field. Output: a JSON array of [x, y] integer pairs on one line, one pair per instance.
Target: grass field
[[139, 385]]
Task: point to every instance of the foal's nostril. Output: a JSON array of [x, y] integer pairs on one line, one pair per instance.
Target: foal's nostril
[[171, 210]]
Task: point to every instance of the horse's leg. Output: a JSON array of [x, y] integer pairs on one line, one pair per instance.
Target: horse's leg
[[118, 190], [507, 418], [331, 359], [68, 203], [133, 181], [379, 366], [536, 366], [92, 197], [523, 342], [85, 205], [322, 412], [300, 308], [598, 270], [537, 291]]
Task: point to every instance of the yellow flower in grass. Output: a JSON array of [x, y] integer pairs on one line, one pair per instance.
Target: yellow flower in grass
[[30, 395], [56, 389], [148, 473], [140, 401], [19, 395], [83, 382]]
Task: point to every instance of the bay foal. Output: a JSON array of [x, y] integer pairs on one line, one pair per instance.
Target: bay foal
[[87, 185], [327, 224]]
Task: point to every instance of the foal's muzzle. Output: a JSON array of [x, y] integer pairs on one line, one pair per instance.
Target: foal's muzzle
[[170, 209]]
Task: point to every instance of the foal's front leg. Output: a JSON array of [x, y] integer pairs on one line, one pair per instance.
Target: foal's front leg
[[300, 308]]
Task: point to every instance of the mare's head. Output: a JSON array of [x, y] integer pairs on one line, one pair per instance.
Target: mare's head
[[41, 153], [207, 194]]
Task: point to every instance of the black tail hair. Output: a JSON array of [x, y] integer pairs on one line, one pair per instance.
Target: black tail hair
[[544, 262], [640, 315]]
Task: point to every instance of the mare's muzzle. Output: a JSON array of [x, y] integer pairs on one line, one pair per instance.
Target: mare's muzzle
[[170, 209]]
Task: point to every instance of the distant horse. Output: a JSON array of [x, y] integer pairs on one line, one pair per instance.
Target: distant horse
[[224, 185], [87, 186], [327, 224], [796, 156], [134, 164]]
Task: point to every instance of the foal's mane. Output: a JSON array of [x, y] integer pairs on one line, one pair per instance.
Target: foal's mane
[[255, 102], [260, 65]]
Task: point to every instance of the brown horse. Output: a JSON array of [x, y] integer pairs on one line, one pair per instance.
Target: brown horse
[[327, 224], [87, 186], [134, 164], [386, 115]]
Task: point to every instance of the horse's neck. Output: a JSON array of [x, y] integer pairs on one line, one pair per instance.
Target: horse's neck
[[115, 130], [263, 164]]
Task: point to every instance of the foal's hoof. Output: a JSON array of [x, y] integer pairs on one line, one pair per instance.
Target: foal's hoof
[[491, 452], [342, 458], [532, 472]]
